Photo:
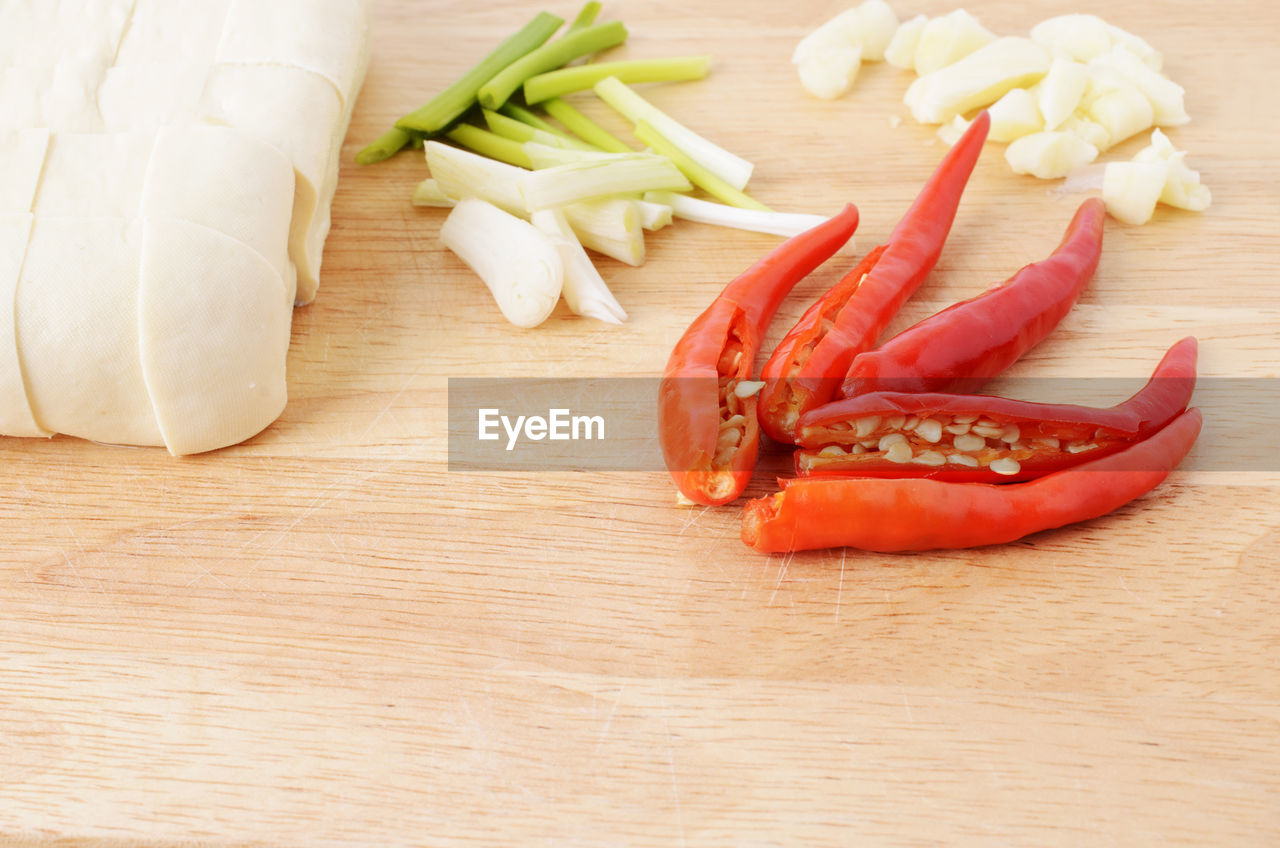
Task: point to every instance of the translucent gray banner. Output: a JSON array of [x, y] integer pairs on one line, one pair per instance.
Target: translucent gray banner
[[611, 423]]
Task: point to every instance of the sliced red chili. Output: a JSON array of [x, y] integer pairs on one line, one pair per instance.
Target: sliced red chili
[[806, 368], [983, 438], [708, 431], [970, 342], [912, 514]]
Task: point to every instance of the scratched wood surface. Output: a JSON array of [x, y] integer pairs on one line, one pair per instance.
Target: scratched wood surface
[[324, 637]]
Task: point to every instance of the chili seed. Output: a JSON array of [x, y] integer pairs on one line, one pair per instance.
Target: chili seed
[[911, 423], [987, 432], [963, 459], [930, 430], [1006, 466], [1010, 433], [957, 429], [901, 452], [867, 426], [930, 457], [966, 419], [896, 422], [1048, 442], [832, 450], [890, 440], [970, 442]]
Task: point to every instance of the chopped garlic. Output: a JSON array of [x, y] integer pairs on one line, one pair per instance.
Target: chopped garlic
[[827, 59], [950, 132], [829, 72], [1079, 36], [901, 52], [1049, 155], [1182, 188], [1122, 113], [948, 39], [1014, 115], [1131, 189], [1166, 96], [1060, 91], [977, 80], [1089, 130]]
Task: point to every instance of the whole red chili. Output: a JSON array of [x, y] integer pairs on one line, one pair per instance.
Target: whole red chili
[[706, 423], [914, 514], [970, 342], [806, 368]]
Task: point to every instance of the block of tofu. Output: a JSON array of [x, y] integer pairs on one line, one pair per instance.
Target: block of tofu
[[166, 171], [16, 417]]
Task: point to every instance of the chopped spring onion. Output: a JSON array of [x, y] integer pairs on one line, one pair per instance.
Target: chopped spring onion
[[448, 105], [546, 156], [583, 127], [428, 193], [585, 291], [549, 56], [653, 216], [619, 173], [520, 132], [704, 211], [489, 144], [734, 170], [526, 116], [519, 264], [580, 77], [384, 146], [460, 174], [586, 17], [610, 226], [697, 174]]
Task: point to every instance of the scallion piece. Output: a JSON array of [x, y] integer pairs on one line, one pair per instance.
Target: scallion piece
[[384, 146], [734, 170], [585, 291], [581, 77], [460, 173], [448, 105], [546, 156], [706, 212], [549, 56], [526, 116], [428, 193], [697, 174], [490, 144], [610, 225], [585, 18], [583, 127], [523, 133], [620, 173]]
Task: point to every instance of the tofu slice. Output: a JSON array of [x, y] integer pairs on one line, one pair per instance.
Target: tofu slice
[[228, 181], [22, 154], [94, 175], [162, 32], [146, 96], [36, 32], [213, 326], [77, 330], [57, 97], [326, 37], [301, 114], [16, 418]]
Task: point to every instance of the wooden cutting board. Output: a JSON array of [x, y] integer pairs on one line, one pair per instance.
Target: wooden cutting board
[[325, 637]]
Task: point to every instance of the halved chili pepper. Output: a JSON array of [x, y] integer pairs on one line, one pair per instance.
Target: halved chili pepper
[[972, 341], [912, 514], [706, 422], [981, 438], [807, 367]]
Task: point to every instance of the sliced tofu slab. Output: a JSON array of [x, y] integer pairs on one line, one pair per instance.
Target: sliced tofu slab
[[16, 418], [77, 330], [22, 155], [228, 181], [300, 113], [214, 332], [94, 175], [36, 31], [326, 37], [58, 97]]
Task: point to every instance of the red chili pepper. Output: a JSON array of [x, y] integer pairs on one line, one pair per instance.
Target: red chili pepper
[[973, 341], [805, 370], [977, 438], [913, 514], [708, 433]]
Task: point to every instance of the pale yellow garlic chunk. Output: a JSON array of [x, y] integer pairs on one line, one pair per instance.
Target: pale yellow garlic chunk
[[1049, 155], [1079, 36], [830, 72], [1014, 115], [948, 39], [1088, 129], [1122, 113], [1182, 188], [869, 26], [901, 52], [977, 80], [1059, 93], [1132, 189], [211, 332], [1165, 95]]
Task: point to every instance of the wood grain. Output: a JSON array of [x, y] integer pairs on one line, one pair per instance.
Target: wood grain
[[323, 637]]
